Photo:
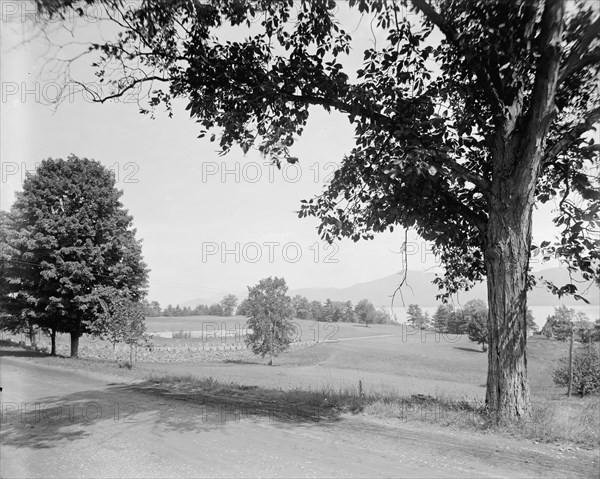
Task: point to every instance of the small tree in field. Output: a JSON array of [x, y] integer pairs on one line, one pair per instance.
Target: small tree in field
[[365, 312], [270, 311], [443, 317], [228, 304], [530, 321], [476, 314], [301, 307], [583, 375], [416, 316], [120, 320], [562, 322]]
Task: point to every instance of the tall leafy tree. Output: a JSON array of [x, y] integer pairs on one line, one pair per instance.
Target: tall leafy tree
[[70, 235], [443, 317], [301, 307], [530, 321], [228, 304], [476, 314], [416, 316], [317, 311], [270, 313], [348, 312], [457, 138], [365, 312], [244, 308], [565, 321], [17, 314]]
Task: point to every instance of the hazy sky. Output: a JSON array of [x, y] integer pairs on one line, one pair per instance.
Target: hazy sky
[[210, 224]]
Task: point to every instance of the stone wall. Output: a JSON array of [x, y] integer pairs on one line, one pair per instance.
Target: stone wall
[[93, 348]]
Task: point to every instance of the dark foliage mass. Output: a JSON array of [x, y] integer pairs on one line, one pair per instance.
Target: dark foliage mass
[[66, 240], [586, 371]]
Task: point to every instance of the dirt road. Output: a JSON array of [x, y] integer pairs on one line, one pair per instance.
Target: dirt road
[[62, 423]]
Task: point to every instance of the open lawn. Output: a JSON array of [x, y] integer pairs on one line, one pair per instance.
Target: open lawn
[[384, 357]]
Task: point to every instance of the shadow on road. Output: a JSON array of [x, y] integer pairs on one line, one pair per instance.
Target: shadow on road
[[471, 350], [56, 420], [8, 348]]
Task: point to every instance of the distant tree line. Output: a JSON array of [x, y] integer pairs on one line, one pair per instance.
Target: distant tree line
[[471, 319], [566, 322], [331, 311], [225, 307], [363, 312]]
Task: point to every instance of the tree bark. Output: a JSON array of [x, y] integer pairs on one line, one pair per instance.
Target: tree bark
[[53, 342], [517, 149], [75, 345], [32, 338], [507, 265]]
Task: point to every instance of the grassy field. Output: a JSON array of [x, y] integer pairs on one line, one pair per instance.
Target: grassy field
[[194, 323], [383, 357], [380, 371]]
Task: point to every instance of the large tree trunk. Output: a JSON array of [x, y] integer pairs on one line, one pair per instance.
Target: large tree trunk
[[32, 339], [517, 150], [53, 342], [507, 263], [75, 345]]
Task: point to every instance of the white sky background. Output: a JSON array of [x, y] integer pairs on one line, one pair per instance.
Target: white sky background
[[179, 208]]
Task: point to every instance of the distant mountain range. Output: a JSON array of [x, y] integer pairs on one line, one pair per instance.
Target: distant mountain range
[[420, 290]]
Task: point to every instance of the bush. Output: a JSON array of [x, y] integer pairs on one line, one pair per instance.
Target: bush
[[586, 371]]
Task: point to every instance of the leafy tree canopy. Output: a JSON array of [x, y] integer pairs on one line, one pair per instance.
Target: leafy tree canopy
[[426, 136], [365, 311], [120, 320], [416, 316], [566, 321], [228, 304], [69, 235], [270, 313]]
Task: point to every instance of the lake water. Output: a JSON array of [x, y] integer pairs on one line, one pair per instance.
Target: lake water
[[540, 313]]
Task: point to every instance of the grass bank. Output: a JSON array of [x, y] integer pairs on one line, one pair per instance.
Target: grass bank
[[569, 422]]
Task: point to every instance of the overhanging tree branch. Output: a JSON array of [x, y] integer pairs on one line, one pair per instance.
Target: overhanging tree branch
[[102, 99], [567, 140], [540, 112], [578, 58], [489, 78], [593, 58]]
